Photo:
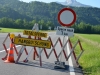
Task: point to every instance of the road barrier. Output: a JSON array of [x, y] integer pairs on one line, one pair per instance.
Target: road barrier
[[66, 57], [73, 48], [5, 48], [21, 51], [53, 45], [42, 45]]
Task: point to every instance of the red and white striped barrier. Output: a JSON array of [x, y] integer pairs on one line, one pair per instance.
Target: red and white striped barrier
[[5, 48], [72, 51], [53, 49], [63, 46], [35, 53]]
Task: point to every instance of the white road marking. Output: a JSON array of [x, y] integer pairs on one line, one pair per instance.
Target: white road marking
[[9, 48], [70, 62]]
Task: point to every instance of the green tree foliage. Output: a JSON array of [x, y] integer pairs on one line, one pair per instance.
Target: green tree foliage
[[16, 9], [18, 14]]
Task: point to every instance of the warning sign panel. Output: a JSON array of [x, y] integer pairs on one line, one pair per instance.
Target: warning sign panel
[[33, 33], [65, 31], [32, 42]]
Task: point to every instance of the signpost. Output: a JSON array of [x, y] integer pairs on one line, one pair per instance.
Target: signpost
[[66, 17]]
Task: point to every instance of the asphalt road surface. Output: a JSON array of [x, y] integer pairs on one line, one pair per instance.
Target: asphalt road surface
[[32, 67]]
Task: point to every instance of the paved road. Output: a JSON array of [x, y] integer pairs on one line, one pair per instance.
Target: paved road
[[33, 66]]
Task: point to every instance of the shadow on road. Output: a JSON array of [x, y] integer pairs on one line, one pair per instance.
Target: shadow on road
[[48, 65]]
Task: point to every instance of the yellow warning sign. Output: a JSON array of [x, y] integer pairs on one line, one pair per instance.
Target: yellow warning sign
[[32, 42], [33, 33]]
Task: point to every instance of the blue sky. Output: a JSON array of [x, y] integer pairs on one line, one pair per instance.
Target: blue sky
[[95, 3]]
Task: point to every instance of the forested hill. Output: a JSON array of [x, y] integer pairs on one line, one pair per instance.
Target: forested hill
[[10, 13], [46, 11], [16, 9]]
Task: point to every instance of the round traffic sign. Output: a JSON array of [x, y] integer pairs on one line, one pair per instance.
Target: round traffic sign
[[66, 17]]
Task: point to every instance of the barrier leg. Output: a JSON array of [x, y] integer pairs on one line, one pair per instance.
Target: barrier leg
[[5, 46], [75, 63], [46, 53], [16, 50], [35, 53], [63, 49], [26, 59], [26, 51], [20, 53], [71, 48], [54, 49], [4, 58], [40, 60], [25, 48]]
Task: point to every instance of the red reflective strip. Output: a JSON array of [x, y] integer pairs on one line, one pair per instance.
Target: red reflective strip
[[65, 55], [18, 58], [35, 51], [16, 50], [26, 51], [74, 55], [54, 49], [63, 49], [71, 48], [29, 37], [33, 55], [24, 48], [34, 37], [60, 42], [70, 43], [44, 49], [45, 52], [80, 45], [5, 48]]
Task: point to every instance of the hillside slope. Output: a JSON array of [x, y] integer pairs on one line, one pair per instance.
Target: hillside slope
[[48, 11]]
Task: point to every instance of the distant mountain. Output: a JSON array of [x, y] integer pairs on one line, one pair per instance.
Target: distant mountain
[[73, 3]]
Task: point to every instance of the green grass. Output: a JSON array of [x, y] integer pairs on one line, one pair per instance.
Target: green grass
[[92, 37], [6, 30], [90, 60]]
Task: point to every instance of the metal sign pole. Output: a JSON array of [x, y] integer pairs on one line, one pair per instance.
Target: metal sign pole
[[62, 47], [39, 50]]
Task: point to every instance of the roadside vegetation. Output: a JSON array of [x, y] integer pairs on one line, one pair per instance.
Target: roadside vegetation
[[90, 60], [8, 30]]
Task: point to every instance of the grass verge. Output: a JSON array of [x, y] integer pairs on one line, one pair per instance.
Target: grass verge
[[90, 60], [8, 30]]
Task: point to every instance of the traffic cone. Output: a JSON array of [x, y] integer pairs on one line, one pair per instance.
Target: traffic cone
[[10, 57]]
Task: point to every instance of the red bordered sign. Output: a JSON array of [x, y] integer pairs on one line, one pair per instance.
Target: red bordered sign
[[66, 17]]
